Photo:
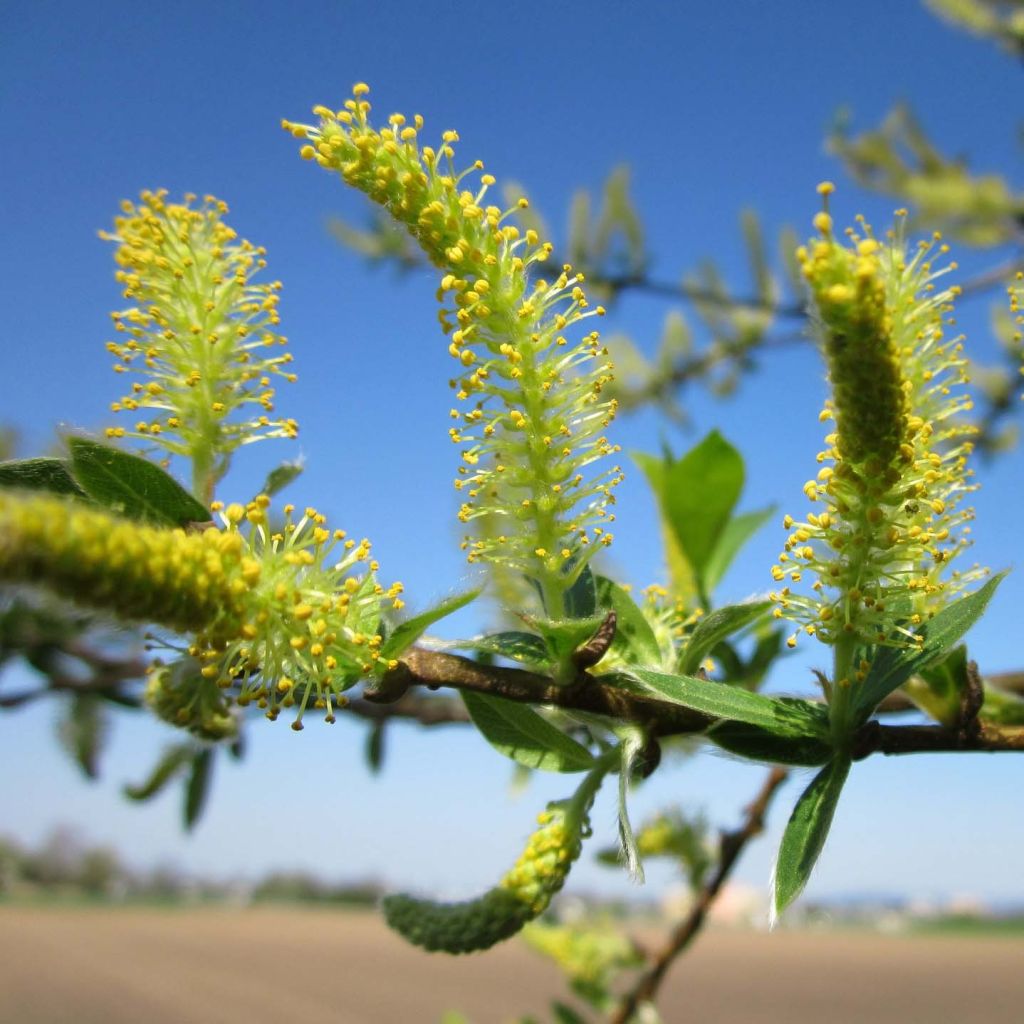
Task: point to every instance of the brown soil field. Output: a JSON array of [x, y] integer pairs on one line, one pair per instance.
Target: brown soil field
[[263, 966]]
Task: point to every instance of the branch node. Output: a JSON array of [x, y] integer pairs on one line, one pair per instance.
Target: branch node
[[589, 654], [866, 740], [391, 687], [971, 700]]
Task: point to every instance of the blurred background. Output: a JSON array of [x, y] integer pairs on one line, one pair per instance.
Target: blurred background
[[694, 130]]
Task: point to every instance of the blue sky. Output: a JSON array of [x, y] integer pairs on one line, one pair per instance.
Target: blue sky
[[715, 111]]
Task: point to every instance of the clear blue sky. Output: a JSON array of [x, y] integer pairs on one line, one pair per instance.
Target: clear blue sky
[[715, 108]]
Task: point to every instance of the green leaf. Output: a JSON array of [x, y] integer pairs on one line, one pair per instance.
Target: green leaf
[[892, 667], [581, 597], [1001, 707], [170, 764], [736, 532], [280, 477], [633, 742], [684, 585], [514, 644], [806, 832], [700, 492], [634, 639], [781, 716], [563, 636], [760, 745], [518, 732], [716, 627], [375, 748], [83, 730], [132, 486], [40, 475], [405, 634], [753, 236], [938, 689], [197, 789], [563, 1014]]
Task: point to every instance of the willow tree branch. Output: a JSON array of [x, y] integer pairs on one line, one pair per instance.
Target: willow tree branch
[[876, 738], [434, 669], [646, 986]]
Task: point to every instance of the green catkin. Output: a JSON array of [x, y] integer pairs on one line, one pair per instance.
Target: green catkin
[[522, 895], [532, 397], [279, 619], [894, 475], [202, 333], [138, 573], [180, 695]]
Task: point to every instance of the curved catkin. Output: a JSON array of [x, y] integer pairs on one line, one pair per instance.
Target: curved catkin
[[532, 405], [466, 927], [522, 895]]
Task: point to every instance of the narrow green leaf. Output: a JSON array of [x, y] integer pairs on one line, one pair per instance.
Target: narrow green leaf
[[760, 745], [750, 225], [736, 532], [39, 475], [563, 1014], [132, 486], [781, 716], [515, 644], [405, 634], [892, 667], [581, 597], [789, 242], [170, 764], [937, 690], [518, 732], [700, 492], [634, 639], [715, 627], [375, 748], [684, 584], [654, 468], [632, 744], [676, 340], [805, 834], [563, 636], [578, 240], [280, 477], [83, 730], [197, 789], [1001, 707]]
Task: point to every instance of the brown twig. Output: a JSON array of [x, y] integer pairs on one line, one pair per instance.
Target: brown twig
[[393, 697], [875, 738], [646, 986], [434, 669]]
